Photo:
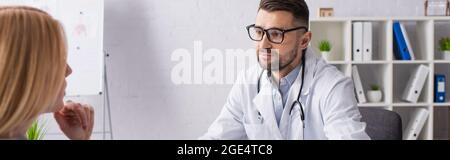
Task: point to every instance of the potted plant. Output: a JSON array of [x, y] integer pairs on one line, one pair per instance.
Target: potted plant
[[445, 47], [374, 95], [36, 131], [325, 49]]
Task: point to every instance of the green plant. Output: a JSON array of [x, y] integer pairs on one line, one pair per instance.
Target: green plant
[[36, 131], [375, 87], [325, 46], [445, 44]]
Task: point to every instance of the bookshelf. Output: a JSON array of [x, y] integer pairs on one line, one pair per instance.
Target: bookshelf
[[390, 74]]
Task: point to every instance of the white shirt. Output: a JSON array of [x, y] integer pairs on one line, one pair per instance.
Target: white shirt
[[280, 92]]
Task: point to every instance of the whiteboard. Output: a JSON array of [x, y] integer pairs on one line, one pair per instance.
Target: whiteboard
[[83, 23]]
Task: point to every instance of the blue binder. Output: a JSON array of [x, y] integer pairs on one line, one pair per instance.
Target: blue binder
[[401, 51], [439, 88]]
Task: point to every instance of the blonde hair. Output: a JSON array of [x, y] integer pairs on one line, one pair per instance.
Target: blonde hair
[[32, 65]]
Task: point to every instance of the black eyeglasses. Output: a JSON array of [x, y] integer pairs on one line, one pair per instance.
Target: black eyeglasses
[[275, 35]]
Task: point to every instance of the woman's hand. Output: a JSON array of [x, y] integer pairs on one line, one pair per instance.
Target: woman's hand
[[76, 120]]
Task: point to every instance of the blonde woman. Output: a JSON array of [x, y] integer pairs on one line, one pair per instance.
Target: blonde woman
[[33, 69]]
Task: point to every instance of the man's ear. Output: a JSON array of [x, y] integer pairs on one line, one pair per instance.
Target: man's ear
[[306, 38]]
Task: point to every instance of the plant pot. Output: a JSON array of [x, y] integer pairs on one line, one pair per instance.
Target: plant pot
[[446, 55], [374, 96], [326, 55]]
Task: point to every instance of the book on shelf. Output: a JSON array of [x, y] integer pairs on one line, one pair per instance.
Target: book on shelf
[[367, 41], [403, 49], [415, 84], [439, 88], [357, 41], [415, 124], [359, 90]]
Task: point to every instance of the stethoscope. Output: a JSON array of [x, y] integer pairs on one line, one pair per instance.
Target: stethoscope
[[297, 101]]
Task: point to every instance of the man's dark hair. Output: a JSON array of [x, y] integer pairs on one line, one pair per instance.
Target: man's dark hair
[[298, 8]]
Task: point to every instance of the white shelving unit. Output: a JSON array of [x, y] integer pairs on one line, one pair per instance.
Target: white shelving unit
[[390, 74]]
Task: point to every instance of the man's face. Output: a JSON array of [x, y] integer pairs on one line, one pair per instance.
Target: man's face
[[279, 56]]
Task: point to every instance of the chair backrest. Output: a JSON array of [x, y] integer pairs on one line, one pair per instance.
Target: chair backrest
[[382, 124]]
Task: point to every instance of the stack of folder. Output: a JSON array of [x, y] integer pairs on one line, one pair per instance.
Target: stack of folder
[[362, 41]]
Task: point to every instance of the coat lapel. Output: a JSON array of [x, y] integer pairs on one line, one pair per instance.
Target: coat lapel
[[286, 118], [264, 103]]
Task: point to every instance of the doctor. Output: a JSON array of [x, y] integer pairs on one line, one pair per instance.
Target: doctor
[[291, 94]]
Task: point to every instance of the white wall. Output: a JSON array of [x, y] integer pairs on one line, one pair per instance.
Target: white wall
[[363, 8], [141, 35]]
